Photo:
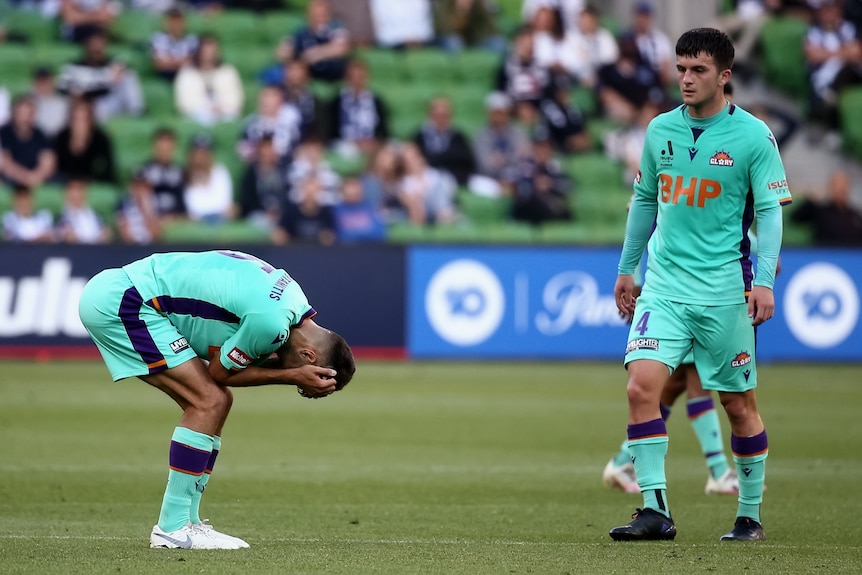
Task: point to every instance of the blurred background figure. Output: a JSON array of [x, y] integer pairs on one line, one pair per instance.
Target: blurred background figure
[[79, 19], [27, 158], [402, 24], [322, 44], [627, 84], [79, 223], [165, 175], [626, 144], [208, 195], [307, 216], [359, 120], [208, 90], [497, 147], [542, 189], [296, 93], [264, 186], [593, 44], [356, 218], [280, 122], [427, 193], [520, 75], [381, 184], [834, 222], [654, 46], [52, 107], [138, 219], [173, 47], [444, 146], [310, 163], [24, 223], [83, 149], [463, 24]]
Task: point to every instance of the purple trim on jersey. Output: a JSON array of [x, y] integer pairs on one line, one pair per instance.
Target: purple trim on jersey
[[745, 245], [654, 428], [699, 406], [194, 307], [136, 329], [309, 314], [665, 411], [748, 446], [186, 459], [731, 110]]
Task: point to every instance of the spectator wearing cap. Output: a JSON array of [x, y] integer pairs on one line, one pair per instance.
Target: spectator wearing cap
[[542, 188], [173, 47], [113, 86], [359, 119], [280, 122], [444, 146], [208, 90], [497, 147], [165, 175], [138, 220], [467, 23], [322, 44], [563, 119], [79, 223], [27, 158], [24, 223], [208, 194], [264, 185], [520, 76], [81, 18], [52, 107], [654, 45], [84, 150]]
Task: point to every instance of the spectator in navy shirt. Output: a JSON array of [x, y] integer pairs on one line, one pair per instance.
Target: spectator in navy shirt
[[564, 120], [263, 190], [172, 49], [296, 93], [358, 116], [27, 158], [627, 84], [165, 175], [444, 146], [322, 44]]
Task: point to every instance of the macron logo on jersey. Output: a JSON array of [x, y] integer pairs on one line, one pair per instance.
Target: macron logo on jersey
[[239, 357]]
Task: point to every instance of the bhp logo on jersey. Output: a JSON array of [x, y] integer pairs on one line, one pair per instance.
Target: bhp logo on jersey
[[694, 190], [721, 158]]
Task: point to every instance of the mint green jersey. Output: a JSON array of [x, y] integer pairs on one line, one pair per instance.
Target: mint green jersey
[[222, 300], [708, 177]]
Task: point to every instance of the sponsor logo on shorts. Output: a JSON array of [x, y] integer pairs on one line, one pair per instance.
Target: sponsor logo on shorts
[[642, 343], [179, 345], [742, 358], [239, 356], [721, 158]]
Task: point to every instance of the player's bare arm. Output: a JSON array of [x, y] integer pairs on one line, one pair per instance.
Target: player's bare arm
[[313, 379], [761, 305]]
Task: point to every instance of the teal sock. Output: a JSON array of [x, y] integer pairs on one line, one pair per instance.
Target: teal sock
[[648, 445], [707, 428], [749, 454], [624, 456], [189, 455], [194, 509]]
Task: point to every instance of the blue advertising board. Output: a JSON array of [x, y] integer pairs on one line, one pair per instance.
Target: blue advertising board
[[557, 303]]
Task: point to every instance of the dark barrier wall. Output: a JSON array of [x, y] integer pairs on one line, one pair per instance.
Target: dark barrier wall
[[357, 291]]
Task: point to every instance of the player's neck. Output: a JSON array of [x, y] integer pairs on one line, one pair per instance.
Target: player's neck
[[708, 109]]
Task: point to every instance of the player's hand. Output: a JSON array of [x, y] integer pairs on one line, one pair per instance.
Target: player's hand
[[761, 305], [314, 381], [629, 317], [624, 294]]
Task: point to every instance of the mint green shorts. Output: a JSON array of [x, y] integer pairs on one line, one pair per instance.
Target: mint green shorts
[[133, 338], [720, 338]]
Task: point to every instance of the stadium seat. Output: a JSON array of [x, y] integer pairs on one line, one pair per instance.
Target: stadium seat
[[49, 197], [406, 233], [249, 59], [432, 67], [136, 27], [509, 232], [850, 111], [54, 55], [31, 25], [781, 40], [104, 199], [478, 68], [158, 97], [482, 210], [276, 26], [384, 65], [237, 232], [593, 171], [231, 27]]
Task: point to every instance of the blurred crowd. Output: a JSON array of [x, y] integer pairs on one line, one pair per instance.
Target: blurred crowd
[[53, 133]]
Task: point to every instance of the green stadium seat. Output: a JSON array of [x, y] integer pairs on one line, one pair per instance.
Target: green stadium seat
[[36, 28], [49, 197], [104, 199], [586, 100], [482, 210], [230, 233], [231, 27], [781, 41], [850, 111], [593, 171], [275, 26], [54, 55], [406, 233], [432, 67], [383, 65], [136, 27], [132, 139], [478, 68], [454, 233], [158, 97], [509, 232], [249, 59]]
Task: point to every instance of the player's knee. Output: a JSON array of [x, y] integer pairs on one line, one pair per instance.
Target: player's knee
[[639, 392], [737, 407], [218, 400]]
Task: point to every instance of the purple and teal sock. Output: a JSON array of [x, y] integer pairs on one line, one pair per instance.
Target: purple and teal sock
[[190, 453], [707, 428], [749, 454], [623, 456], [648, 446], [194, 509]]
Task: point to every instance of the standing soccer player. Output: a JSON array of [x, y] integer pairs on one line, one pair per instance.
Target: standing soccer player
[[193, 325], [708, 169]]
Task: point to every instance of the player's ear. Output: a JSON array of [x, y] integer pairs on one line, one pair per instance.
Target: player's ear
[[308, 354]]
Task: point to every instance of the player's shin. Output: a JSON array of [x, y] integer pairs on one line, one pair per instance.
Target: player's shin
[[704, 420], [648, 446], [189, 456], [749, 454], [200, 486]]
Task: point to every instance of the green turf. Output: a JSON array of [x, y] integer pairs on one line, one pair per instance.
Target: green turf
[[443, 468]]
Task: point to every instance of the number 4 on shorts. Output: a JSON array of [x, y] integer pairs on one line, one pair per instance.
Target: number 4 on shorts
[[641, 326]]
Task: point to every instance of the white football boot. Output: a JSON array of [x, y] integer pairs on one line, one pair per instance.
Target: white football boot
[[188, 537], [621, 476], [207, 528], [727, 484]]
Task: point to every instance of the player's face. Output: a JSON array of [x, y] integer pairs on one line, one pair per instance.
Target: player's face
[[700, 80]]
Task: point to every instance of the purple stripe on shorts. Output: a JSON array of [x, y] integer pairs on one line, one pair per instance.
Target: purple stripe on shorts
[[187, 459], [647, 429], [196, 308], [747, 446], [136, 329], [699, 406], [665, 411]]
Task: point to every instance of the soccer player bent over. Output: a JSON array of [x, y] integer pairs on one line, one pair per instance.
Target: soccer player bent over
[[708, 168], [164, 317]]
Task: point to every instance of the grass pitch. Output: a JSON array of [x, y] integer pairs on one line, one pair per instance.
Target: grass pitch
[[443, 468]]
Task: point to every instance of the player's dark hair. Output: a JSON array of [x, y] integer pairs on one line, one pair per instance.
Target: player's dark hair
[[709, 41], [339, 357]]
